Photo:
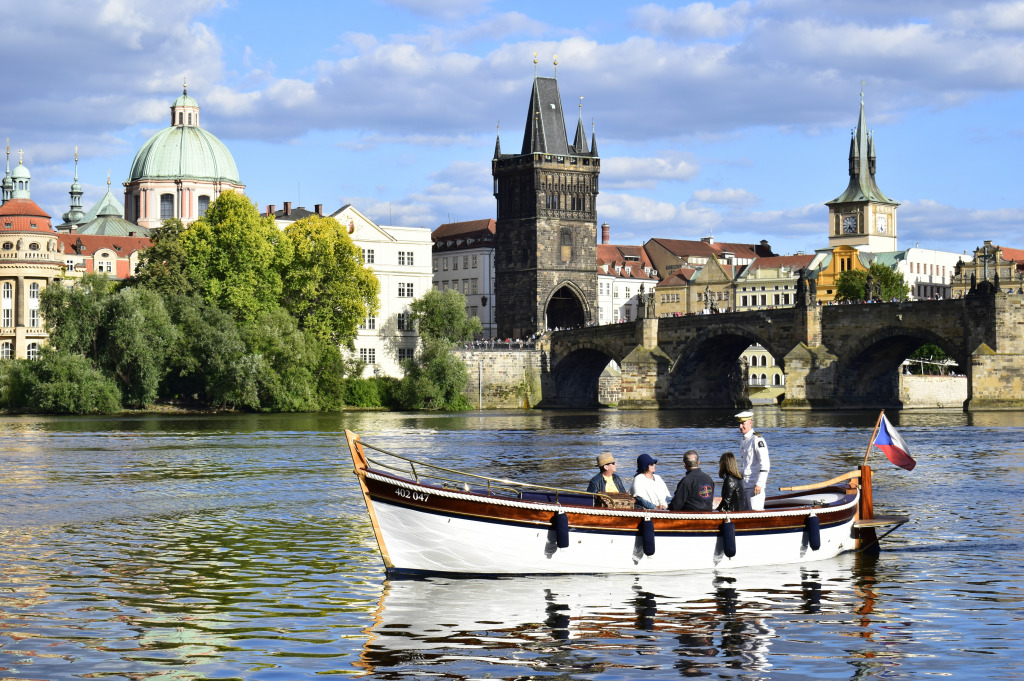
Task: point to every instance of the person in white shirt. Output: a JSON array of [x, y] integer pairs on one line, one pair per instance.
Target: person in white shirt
[[754, 461], [648, 488]]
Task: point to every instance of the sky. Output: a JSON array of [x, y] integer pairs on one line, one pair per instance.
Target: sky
[[729, 119]]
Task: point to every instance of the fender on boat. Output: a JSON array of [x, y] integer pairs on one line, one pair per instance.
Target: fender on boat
[[728, 532], [813, 532], [647, 534], [561, 524]]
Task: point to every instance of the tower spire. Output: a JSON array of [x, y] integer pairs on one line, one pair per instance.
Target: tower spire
[[75, 214], [497, 142], [579, 144]]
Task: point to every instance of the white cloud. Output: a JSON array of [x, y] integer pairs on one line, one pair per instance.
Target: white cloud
[[622, 172], [731, 197], [442, 9], [696, 20]]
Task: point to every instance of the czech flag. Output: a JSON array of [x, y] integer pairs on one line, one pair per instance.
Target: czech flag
[[890, 442]]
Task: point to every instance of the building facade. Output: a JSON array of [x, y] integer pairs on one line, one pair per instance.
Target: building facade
[[546, 228], [463, 260], [1000, 266], [179, 171], [770, 282], [623, 274]]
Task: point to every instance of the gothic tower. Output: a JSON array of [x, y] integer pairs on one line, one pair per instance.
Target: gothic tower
[[862, 216], [546, 230]]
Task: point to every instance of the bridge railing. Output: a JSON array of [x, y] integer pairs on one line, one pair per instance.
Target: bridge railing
[[503, 345]]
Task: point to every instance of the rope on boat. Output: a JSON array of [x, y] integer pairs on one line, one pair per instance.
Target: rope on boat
[[602, 511]]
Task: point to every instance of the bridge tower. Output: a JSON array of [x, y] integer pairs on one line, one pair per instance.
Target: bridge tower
[[546, 230], [862, 216]]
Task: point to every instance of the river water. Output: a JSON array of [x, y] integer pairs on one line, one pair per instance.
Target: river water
[[238, 547]]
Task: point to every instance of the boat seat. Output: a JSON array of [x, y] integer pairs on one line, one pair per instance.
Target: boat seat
[[566, 498]]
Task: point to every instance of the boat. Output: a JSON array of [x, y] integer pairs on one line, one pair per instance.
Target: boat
[[429, 519]]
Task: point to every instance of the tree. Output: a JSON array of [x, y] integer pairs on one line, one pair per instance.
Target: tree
[[163, 267], [436, 378], [890, 285], [442, 314], [136, 332], [74, 314], [64, 383], [236, 257], [326, 286]]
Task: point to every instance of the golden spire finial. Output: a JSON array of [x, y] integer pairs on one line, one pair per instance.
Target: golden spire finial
[[184, 85], [534, 64], [108, 179], [556, 65], [76, 153], [20, 156], [581, 107]]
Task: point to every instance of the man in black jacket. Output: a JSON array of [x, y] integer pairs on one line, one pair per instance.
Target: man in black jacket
[[607, 478], [696, 490]]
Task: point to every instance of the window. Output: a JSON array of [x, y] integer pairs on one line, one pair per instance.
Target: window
[[475, 284], [455, 263], [405, 289], [404, 323], [8, 320], [435, 264], [33, 317], [405, 258], [465, 262], [405, 353], [445, 264], [166, 206], [473, 311], [368, 355], [33, 291], [204, 204], [138, 204], [33, 246], [369, 323], [8, 290], [181, 118], [6, 351], [367, 256], [474, 262], [190, 118], [104, 266], [32, 352], [8, 245]]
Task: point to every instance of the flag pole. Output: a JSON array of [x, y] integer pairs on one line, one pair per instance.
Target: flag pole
[[878, 423]]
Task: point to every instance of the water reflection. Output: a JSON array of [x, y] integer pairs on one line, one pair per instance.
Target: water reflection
[[694, 623]]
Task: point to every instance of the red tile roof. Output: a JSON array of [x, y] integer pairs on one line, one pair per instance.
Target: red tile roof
[[21, 214], [612, 255], [88, 244], [795, 262], [684, 249], [462, 229]]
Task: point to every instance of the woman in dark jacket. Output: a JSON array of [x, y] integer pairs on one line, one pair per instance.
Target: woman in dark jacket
[[733, 496]]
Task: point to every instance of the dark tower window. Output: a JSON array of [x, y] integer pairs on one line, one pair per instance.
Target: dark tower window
[[190, 119], [166, 206], [204, 205], [180, 118]]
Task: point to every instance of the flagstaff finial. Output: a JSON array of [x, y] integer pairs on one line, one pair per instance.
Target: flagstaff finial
[[581, 107], [534, 64], [76, 153], [21, 156], [556, 65], [108, 179]]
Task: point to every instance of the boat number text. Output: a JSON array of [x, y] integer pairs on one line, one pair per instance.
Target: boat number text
[[415, 496]]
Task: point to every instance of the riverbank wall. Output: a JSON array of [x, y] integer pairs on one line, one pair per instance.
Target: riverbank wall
[[503, 379], [929, 392]]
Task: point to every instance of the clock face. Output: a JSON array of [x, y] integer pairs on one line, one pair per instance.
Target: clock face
[[881, 222], [850, 224]]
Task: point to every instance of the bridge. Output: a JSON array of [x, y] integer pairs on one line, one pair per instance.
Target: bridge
[[833, 356]]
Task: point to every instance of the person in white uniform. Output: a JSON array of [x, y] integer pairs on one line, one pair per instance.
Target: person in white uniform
[[754, 461]]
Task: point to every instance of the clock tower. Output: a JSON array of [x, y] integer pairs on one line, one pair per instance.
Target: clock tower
[[862, 216]]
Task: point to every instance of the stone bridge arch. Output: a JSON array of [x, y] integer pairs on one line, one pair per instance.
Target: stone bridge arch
[[707, 371], [867, 375], [584, 375]]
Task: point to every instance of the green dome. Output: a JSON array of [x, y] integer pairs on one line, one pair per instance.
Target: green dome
[[184, 151], [185, 100]]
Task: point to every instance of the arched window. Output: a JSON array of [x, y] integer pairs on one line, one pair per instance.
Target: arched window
[[190, 118], [204, 205], [778, 379], [32, 352], [166, 206], [764, 379], [753, 379], [180, 117], [6, 350]]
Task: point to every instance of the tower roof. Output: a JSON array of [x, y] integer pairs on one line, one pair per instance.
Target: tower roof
[[545, 122], [862, 185]]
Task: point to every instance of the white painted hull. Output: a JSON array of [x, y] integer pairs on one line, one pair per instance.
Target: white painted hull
[[419, 541]]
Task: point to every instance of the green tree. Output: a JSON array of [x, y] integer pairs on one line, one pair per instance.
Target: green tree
[[931, 360], [164, 266], [277, 372], [436, 377], [442, 315], [326, 286], [852, 284], [236, 257], [74, 314], [65, 383], [136, 333]]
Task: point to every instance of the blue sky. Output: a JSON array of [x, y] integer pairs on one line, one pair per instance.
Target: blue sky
[[731, 119]]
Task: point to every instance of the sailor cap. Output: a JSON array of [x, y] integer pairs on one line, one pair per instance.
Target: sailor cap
[[744, 416]]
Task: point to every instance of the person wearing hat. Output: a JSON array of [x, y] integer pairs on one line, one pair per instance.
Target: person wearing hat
[[696, 491], [607, 480], [648, 488], [754, 461]]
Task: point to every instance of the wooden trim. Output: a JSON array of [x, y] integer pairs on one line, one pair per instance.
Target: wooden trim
[[355, 448]]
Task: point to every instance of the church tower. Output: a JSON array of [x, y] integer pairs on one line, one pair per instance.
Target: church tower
[[862, 216], [546, 229]]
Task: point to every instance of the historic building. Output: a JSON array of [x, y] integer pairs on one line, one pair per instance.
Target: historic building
[[179, 172], [31, 258], [546, 230], [862, 217], [928, 273], [464, 261], [669, 255], [624, 273], [1000, 266], [770, 282]]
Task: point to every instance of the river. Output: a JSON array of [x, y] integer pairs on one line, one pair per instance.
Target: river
[[238, 547]]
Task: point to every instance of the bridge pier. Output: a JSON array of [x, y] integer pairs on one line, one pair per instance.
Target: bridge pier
[[810, 378], [644, 369], [995, 376]]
